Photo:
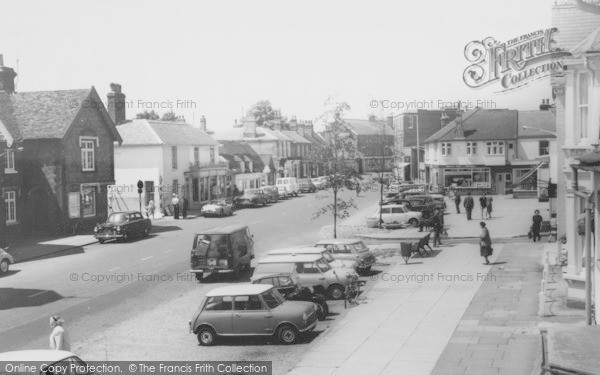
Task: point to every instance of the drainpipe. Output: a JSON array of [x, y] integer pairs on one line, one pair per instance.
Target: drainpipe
[[588, 246]]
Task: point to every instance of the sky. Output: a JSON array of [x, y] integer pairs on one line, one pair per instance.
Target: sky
[[217, 58]]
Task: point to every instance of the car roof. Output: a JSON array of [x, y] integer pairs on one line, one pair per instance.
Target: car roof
[[420, 196], [339, 241], [271, 275], [227, 229], [290, 258], [126, 212], [296, 250], [239, 289], [50, 356]]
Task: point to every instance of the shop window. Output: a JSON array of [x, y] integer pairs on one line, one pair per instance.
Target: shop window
[[88, 201], [471, 148]]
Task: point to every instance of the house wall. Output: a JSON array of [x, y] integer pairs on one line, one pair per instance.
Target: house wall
[[529, 148]]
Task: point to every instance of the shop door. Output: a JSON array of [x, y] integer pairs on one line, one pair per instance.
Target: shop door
[[500, 183]]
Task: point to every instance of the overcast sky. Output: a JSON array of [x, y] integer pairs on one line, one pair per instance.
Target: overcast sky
[[223, 56]]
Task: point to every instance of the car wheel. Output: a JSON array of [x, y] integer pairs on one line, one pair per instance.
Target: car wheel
[[101, 240], [295, 194], [336, 291], [146, 232], [206, 336], [286, 334], [322, 311], [4, 266], [414, 222]]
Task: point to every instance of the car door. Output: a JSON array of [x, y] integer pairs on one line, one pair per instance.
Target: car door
[[251, 316], [310, 274], [399, 215], [386, 214], [218, 312]]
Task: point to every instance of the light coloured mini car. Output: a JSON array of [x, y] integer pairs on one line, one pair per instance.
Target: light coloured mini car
[[398, 213], [312, 269], [348, 249], [335, 263], [5, 260], [283, 192], [45, 358], [218, 207], [251, 310]]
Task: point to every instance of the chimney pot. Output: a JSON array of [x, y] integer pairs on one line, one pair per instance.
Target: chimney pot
[[203, 123], [116, 104], [7, 78]]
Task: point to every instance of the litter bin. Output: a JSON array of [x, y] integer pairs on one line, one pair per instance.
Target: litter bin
[[405, 251], [372, 222]]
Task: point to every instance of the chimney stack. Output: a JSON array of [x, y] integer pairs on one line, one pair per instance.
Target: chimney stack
[[203, 123], [372, 118], [116, 104], [293, 124], [444, 120], [7, 78], [249, 126]]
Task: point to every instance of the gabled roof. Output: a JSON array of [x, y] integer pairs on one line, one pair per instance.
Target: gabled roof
[[297, 138], [148, 132], [589, 44], [48, 114], [481, 124], [237, 134], [545, 120], [367, 127], [279, 135], [232, 149]]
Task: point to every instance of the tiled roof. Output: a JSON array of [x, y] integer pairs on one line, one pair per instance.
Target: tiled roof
[[536, 119], [573, 25], [590, 43], [366, 127], [237, 134], [231, 149], [481, 124], [295, 136], [279, 135], [147, 132]]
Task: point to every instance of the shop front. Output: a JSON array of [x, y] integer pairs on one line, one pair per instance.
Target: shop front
[[205, 184], [467, 178]]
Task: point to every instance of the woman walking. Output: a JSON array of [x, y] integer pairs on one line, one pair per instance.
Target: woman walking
[[59, 338], [483, 204], [537, 225], [485, 243], [488, 206]]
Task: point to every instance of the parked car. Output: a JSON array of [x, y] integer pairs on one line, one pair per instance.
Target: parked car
[[252, 198], [46, 359], [397, 213], [421, 203], [218, 207], [5, 260], [122, 226], [312, 270], [426, 199], [305, 185], [283, 192], [272, 193], [335, 263], [291, 183], [439, 200], [318, 182], [437, 190], [350, 249], [251, 310], [227, 249], [288, 285]]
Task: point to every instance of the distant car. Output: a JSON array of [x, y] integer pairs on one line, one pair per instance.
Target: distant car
[[272, 193], [288, 285], [421, 203], [218, 207], [283, 192], [440, 200], [437, 190], [350, 249], [5, 260], [49, 362], [251, 310], [252, 198], [319, 184], [122, 226], [291, 183], [305, 185], [429, 200], [397, 213]]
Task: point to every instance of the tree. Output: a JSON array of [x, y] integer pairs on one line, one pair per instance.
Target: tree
[[266, 116], [337, 155], [148, 115], [172, 117]]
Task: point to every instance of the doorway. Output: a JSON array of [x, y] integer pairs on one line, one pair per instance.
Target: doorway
[[500, 184]]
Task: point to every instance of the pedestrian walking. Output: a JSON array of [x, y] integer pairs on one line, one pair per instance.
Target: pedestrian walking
[[488, 206], [485, 243], [357, 188], [175, 204], [150, 209], [483, 204], [59, 338], [536, 226], [185, 207], [469, 204], [457, 202], [438, 227]]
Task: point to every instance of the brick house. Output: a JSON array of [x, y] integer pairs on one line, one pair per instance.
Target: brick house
[[59, 178], [374, 142]]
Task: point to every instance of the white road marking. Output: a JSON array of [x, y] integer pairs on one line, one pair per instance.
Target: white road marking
[[254, 222], [284, 213], [37, 294], [114, 269], [147, 258], [168, 251]]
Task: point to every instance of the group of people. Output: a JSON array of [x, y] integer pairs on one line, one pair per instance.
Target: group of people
[[175, 202], [485, 203]]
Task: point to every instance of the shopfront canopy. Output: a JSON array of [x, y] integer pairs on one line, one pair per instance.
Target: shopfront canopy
[[526, 175]]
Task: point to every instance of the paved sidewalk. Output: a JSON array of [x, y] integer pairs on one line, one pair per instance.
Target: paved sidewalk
[[31, 248], [406, 320], [510, 218]]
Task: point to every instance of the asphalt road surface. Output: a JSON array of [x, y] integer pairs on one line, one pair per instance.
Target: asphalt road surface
[[132, 301]]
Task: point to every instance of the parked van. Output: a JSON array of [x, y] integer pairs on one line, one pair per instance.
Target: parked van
[[228, 249], [291, 183], [335, 263]]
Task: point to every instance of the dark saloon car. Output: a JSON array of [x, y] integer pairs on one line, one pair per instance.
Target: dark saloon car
[[252, 198], [305, 185], [122, 226], [288, 285]]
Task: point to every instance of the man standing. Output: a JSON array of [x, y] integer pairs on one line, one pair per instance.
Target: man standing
[[483, 204], [438, 227], [175, 204], [457, 202], [468, 203]]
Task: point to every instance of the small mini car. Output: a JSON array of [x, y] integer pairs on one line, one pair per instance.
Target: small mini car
[[252, 198], [218, 207], [251, 310], [350, 250], [5, 260], [122, 226]]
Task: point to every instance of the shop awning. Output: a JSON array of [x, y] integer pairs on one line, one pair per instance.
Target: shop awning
[[526, 175]]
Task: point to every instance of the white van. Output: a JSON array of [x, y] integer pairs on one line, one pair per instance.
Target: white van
[[291, 183]]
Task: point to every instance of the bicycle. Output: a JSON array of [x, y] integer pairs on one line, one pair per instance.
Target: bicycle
[[352, 290]]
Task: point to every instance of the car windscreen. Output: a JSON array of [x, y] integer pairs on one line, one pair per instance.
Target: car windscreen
[[360, 246], [118, 218], [272, 268], [327, 256], [213, 245], [272, 298], [323, 265], [252, 191]]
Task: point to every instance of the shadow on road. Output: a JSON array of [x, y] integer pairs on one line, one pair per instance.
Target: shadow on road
[[11, 298], [165, 228], [303, 339], [9, 273]]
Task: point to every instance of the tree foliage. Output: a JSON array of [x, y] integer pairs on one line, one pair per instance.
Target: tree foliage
[[266, 116], [148, 115], [172, 117]]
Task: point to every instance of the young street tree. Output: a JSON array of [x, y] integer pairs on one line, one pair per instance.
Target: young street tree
[[337, 155]]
